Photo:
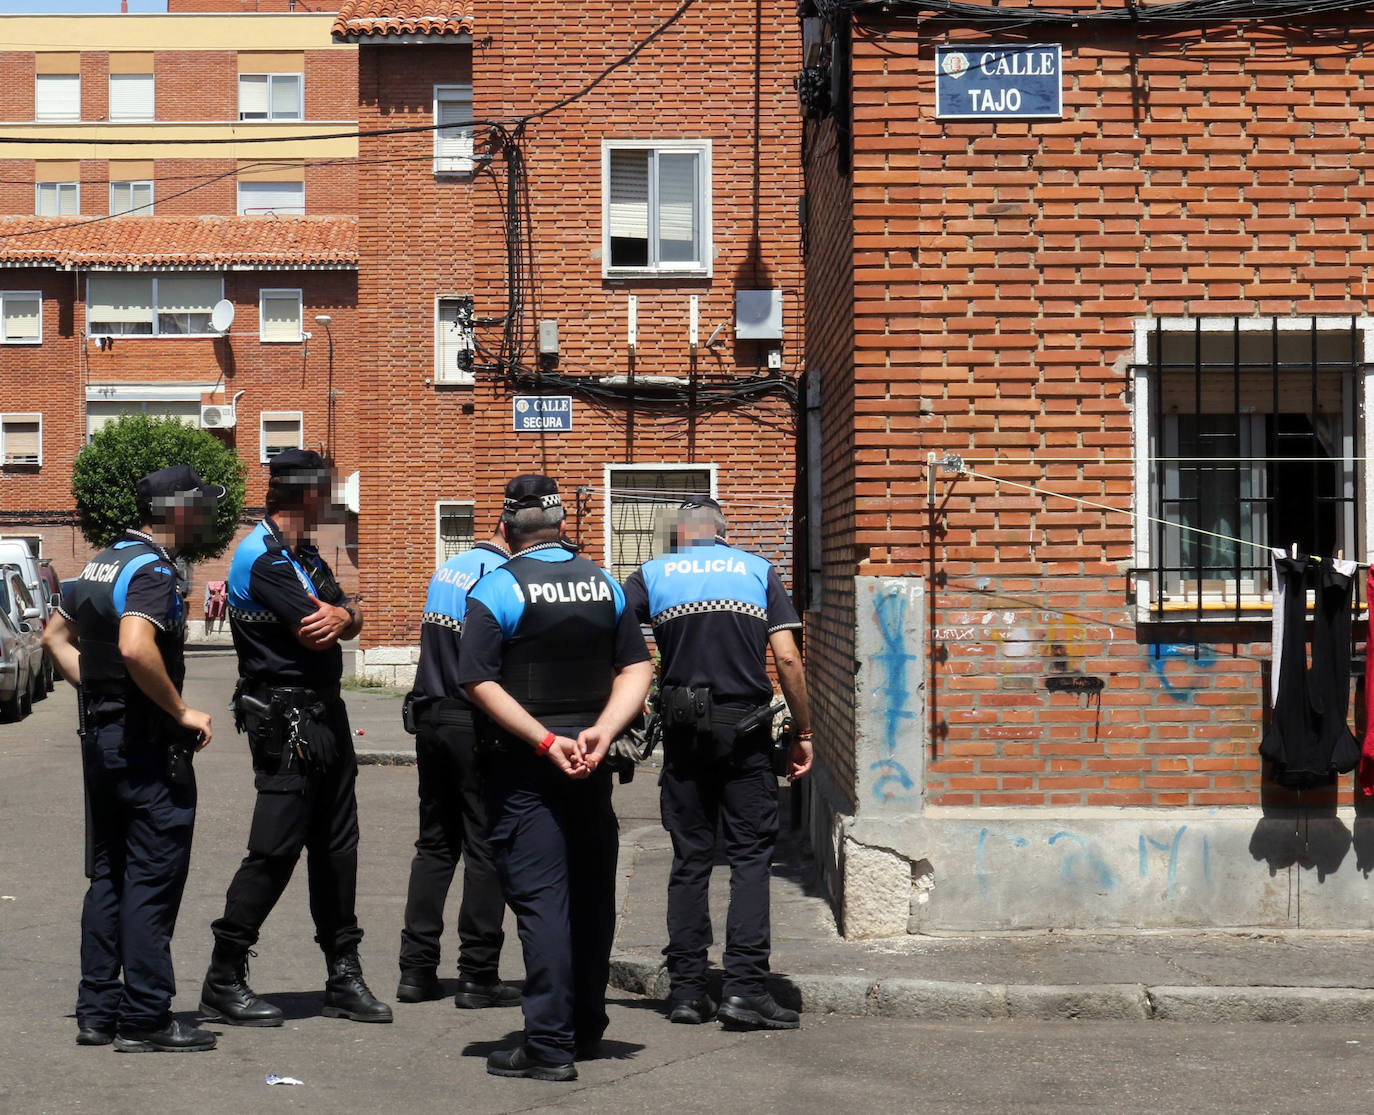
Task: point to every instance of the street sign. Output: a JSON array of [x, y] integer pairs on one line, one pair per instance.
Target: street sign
[[995, 82], [543, 414]]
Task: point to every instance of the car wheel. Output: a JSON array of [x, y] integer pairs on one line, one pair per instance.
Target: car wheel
[[42, 686], [26, 700]]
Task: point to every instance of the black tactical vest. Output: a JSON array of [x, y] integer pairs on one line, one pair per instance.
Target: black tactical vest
[[96, 602], [560, 662]]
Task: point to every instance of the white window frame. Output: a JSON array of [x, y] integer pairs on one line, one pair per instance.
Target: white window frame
[[1143, 432], [608, 470], [702, 266], [282, 293], [148, 112], [4, 448], [156, 313], [459, 136], [291, 210], [449, 377], [132, 184], [439, 506], [272, 79], [279, 416], [5, 297], [62, 188], [38, 83]]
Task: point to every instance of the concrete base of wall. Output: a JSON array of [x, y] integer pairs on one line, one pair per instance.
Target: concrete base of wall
[[389, 666], [971, 870]]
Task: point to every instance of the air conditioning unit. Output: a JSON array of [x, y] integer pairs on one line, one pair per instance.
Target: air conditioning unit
[[217, 416]]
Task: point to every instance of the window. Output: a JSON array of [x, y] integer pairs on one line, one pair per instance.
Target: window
[[454, 340], [57, 199], [454, 530], [152, 305], [135, 198], [453, 129], [279, 430], [271, 96], [57, 97], [641, 501], [656, 207], [260, 198], [131, 96], [21, 439], [100, 414], [21, 317], [1251, 427], [279, 316]]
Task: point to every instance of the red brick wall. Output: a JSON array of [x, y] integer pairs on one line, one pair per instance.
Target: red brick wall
[[95, 84], [421, 236], [999, 269], [17, 85], [196, 84], [249, 6]]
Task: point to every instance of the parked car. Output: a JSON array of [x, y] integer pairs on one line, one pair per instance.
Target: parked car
[[52, 592], [21, 646], [15, 551]]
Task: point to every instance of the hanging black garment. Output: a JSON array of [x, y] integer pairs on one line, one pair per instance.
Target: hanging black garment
[[1309, 740]]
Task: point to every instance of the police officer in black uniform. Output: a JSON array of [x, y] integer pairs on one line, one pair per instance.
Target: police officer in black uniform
[[287, 615], [453, 812], [551, 654], [716, 612], [118, 634]]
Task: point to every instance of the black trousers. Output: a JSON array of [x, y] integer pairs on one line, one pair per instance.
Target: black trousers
[[317, 811], [453, 824], [141, 831], [699, 789], [556, 842]]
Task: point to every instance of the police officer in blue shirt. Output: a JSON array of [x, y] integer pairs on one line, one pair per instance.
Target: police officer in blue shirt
[[118, 633], [716, 612], [552, 655], [287, 615], [453, 814]]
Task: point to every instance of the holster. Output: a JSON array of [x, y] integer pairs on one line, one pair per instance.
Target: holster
[[288, 728], [684, 706]]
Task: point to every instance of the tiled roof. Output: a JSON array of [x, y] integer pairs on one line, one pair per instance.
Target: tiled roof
[[132, 242], [381, 18]]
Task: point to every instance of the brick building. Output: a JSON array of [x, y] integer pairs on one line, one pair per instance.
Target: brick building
[[1140, 322], [152, 166], [602, 231]]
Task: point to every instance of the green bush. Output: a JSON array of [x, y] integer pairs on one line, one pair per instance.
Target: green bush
[[107, 470]]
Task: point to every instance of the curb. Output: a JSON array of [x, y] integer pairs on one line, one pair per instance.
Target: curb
[[936, 1001], [385, 758]]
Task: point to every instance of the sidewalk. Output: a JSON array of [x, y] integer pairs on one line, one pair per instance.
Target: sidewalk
[[1194, 976]]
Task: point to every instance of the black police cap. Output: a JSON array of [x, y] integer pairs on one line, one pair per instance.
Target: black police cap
[[531, 490], [692, 502], [176, 480], [298, 466]]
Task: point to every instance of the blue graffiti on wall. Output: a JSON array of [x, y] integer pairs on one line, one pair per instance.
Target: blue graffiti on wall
[[1087, 856], [893, 693], [1162, 653], [979, 868], [1170, 846]]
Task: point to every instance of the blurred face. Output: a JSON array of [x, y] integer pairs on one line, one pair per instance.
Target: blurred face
[[190, 516], [695, 528]]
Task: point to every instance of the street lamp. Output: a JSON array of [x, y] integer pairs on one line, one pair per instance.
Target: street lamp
[[325, 319]]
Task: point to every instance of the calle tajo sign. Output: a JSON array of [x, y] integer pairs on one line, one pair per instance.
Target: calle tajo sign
[[988, 81]]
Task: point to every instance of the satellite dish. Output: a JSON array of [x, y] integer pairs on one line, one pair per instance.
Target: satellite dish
[[222, 316]]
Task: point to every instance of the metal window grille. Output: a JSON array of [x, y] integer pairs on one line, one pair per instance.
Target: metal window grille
[[1253, 435], [457, 530], [641, 503]]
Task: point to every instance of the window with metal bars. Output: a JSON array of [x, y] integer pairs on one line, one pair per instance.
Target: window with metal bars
[[455, 530], [1251, 431], [641, 503]]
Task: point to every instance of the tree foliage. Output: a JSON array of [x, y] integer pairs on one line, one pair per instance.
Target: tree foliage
[[108, 469]]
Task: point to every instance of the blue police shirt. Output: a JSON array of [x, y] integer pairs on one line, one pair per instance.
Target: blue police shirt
[[712, 608], [441, 627]]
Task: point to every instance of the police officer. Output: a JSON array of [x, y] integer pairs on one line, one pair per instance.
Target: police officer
[[716, 611], [453, 814], [118, 634], [287, 615], [551, 654]]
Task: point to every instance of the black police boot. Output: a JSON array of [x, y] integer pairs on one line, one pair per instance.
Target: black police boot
[[756, 1012], [691, 1012], [93, 1035], [419, 986], [174, 1037], [346, 994], [475, 994], [518, 1062], [226, 997]]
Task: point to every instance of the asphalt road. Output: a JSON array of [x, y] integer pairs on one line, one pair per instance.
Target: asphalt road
[[431, 1058]]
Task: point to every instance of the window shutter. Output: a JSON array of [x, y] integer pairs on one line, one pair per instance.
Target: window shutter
[[452, 341], [677, 207], [629, 207], [286, 97], [22, 443], [188, 294], [281, 317], [58, 199], [119, 298], [57, 97], [260, 198], [22, 320], [281, 429], [253, 104], [131, 96], [453, 135]]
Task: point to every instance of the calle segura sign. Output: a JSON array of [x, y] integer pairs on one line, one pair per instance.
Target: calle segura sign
[[987, 81]]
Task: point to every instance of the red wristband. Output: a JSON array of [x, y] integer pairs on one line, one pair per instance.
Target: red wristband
[[545, 744]]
